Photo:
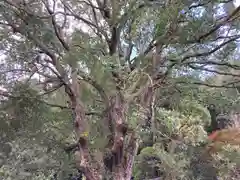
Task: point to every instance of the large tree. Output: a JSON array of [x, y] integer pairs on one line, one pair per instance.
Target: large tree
[[124, 53]]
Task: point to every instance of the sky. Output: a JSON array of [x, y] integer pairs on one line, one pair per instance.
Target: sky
[[237, 3]]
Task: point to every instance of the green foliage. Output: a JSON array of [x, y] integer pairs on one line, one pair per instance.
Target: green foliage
[[193, 108], [154, 161], [33, 132], [36, 134], [27, 158], [228, 162], [25, 108]]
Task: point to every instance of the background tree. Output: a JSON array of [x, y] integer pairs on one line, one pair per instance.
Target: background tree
[[106, 67]]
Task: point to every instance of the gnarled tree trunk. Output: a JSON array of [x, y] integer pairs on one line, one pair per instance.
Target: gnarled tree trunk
[[122, 144], [81, 128]]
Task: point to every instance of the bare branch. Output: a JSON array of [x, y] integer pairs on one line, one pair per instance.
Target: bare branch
[[199, 5], [87, 22], [228, 85], [209, 52], [231, 17], [6, 94], [14, 70], [214, 71], [228, 64], [228, 19], [58, 30]]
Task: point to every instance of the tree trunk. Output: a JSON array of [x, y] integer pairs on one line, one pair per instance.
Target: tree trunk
[[81, 127], [131, 153], [122, 144], [122, 141]]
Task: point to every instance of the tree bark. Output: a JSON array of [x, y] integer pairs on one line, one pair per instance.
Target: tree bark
[[131, 153], [124, 144], [81, 128]]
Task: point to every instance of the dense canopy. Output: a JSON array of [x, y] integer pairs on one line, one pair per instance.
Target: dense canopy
[[119, 89]]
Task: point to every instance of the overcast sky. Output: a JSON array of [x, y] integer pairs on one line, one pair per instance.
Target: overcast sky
[[237, 3]]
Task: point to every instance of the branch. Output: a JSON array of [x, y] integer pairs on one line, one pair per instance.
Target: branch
[[87, 22], [98, 87], [15, 70], [209, 52], [94, 13], [6, 94], [228, 85], [226, 20], [214, 29], [53, 89], [57, 29], [198, 5], [130, 12], [38, 43], [214, 71], [233, 66], [60, 70], [89, 113], [104, 9]]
